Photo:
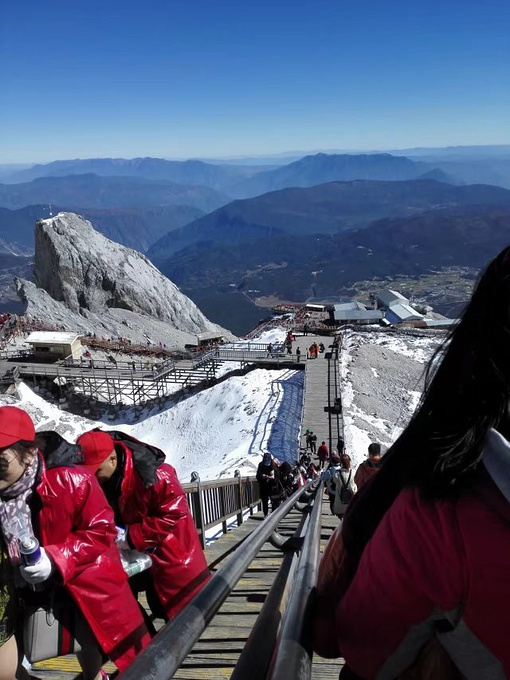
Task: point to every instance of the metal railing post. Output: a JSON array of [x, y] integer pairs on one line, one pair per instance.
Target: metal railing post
[[199, 509], [223, 512], [237, 474]]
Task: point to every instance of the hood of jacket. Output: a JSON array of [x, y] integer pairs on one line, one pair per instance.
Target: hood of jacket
[[57, 451], [146, 458]]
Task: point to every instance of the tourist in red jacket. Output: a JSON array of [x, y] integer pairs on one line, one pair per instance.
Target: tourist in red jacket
[[151, 505], [64, 507], [369, 467], [416, 584], [322, 454]]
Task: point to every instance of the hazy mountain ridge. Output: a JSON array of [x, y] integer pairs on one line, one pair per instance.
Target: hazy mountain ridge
[[188, 172], [282, 266], [329, 208], [322, 168], [92, 191]]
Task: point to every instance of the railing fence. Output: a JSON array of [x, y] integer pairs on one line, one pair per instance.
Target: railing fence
[[213, 503]]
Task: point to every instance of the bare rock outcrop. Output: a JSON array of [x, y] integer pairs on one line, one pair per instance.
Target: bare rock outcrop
[[84, 279]]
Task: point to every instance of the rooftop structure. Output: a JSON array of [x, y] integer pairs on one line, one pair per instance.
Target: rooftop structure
[[355, 311], [53, 345]]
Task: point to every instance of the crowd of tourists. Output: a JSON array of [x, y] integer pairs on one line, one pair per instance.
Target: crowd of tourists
[[76, 520]]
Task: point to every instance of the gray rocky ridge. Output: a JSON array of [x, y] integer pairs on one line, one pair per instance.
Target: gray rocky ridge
[[84, 281]]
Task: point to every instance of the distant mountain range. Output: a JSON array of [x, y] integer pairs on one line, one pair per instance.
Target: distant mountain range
[[295, 267], [92, 191], [288, 220], [136, 228], [235, 181], [191, 172], [321, 168], [330, 208]]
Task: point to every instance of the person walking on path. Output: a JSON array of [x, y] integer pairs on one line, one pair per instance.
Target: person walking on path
[[266, 477], [329, 477], [308, 435], [416, 585], [369, 467], [150, 504], [323, 455], [48, 498], [345, 486], [313, 442]]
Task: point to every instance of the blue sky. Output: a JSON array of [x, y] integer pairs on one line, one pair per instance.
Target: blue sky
[[211, 78]]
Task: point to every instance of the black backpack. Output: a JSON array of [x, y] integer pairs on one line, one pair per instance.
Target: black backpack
[[346, 493]]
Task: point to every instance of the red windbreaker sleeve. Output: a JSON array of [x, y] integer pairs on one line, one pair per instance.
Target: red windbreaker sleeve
[[93, 525], [167, 507]]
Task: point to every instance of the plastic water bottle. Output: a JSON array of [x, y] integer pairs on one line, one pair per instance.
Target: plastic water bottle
[[140, 563]]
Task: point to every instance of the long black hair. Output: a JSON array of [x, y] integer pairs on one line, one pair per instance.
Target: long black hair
[[467, 390]]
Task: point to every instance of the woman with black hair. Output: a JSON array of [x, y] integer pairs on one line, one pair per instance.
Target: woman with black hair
[[418, 580]]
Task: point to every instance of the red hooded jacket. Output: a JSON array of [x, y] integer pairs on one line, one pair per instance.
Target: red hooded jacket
[[76, 527], [158, 517]]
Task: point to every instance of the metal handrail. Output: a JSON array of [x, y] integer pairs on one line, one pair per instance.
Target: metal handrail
[[161, 659], [293, 658], [254, 660]]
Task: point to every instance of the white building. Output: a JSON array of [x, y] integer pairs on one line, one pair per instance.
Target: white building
[[53, 345], [355, 312], [397, 307]]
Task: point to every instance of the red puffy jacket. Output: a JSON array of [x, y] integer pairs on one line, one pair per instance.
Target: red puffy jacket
[[158, 517], [76, 527], [433, 570]]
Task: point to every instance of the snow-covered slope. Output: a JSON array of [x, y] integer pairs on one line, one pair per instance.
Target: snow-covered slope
[[226, 427], [229, 426], [382, 381]]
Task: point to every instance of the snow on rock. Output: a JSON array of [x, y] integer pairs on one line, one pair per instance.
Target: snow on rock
[[87, 282], [382, 381]]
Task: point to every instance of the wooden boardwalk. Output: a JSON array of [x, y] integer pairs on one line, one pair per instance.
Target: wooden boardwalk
[[215, 654], [320, 393]]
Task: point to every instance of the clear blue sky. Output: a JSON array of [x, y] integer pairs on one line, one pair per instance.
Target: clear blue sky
[[189, 78]]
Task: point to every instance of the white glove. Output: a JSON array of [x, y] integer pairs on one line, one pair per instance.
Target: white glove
[[37, 573]]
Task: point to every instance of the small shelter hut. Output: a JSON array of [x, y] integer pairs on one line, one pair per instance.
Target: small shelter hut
[[54, 345]]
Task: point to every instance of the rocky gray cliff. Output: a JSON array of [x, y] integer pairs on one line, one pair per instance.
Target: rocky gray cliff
[[99, 281]]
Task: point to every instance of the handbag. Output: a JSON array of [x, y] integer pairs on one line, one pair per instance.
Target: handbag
[[55, 628]]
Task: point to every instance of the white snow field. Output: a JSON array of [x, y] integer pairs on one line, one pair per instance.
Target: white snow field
[[230, 425]]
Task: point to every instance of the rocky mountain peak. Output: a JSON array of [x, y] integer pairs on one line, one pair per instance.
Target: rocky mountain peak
[[95, 277]]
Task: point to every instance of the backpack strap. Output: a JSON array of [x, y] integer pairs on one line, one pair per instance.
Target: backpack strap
[[345, 485]]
